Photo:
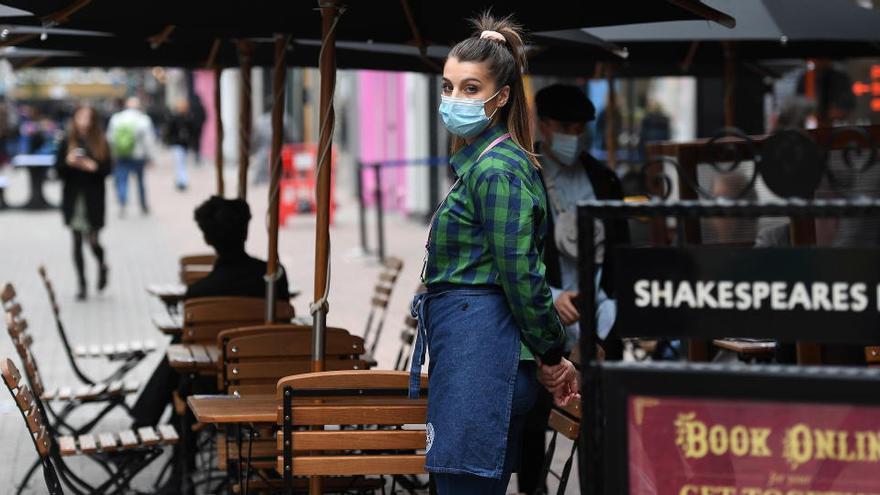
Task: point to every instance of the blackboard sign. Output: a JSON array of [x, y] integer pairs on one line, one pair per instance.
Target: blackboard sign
[[789, 294]]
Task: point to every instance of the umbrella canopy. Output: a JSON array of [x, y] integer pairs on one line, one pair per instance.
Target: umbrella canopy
[[392, 21], [189, 52], [766, 29]]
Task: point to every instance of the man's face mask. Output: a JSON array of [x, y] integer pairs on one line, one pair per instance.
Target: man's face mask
[[568, 147]]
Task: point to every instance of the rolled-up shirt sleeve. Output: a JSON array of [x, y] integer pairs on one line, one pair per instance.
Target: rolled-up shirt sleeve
[[507, 213]]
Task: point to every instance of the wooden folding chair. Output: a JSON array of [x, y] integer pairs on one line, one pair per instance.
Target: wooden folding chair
[[205, 317], [122, 455], [567, 422], [379, 304], [374, 403], [195, 267], [130, 353], [110, 395], [254, 359], [407, 338]]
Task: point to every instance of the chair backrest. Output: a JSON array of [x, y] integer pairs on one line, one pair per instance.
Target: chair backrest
[[205, 317], [8, 294], [28, 404], [22, 340], [379, 302], [255, 358], [194, 267], [365, 399], [407, 338]]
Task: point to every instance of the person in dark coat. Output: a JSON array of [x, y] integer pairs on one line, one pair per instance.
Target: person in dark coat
[[83, 164], [570, 174]]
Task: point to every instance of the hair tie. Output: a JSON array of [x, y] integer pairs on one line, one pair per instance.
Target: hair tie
[[494, 36]]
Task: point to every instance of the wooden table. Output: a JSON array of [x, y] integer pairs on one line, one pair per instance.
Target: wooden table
[[196, 358], [170, 294], [229, 409], [748, 349], [168, 324]]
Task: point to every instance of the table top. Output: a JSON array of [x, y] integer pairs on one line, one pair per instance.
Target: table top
[[200, 358], [749, 347], [170, 294], [168, 324], [36, 160], [229, 409]]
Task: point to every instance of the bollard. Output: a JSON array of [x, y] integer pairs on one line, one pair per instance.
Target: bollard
[[380, 223], [362, 208]]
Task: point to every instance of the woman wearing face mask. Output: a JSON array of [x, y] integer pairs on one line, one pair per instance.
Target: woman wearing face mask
[[487, 317], [83, 162]]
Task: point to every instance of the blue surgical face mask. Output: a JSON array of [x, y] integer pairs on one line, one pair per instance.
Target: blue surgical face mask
[[568, 147], [465, 117]]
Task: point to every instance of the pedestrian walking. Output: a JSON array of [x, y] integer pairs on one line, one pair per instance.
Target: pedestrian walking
[[487, 317], [83, 164], [179, 134], [132, 140]]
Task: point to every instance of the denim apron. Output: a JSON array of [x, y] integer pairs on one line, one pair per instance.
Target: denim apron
[[474, 344]]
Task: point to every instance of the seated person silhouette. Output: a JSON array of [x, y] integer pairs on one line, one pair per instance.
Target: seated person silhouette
[[224, 224]]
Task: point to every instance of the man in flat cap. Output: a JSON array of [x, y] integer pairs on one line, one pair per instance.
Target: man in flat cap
[[571, 175]]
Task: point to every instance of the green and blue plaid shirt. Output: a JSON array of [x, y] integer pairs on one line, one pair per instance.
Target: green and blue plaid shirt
[[491, 230]]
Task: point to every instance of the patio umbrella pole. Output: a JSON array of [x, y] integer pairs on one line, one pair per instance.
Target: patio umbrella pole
[[327, 67], [611, 119], [245, 54], [278, 79], [729, 84], [218, 126]]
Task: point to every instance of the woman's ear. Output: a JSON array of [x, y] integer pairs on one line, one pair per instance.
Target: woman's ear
[[503, 96]]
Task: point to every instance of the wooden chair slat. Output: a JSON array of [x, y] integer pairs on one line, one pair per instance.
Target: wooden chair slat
[[65, 393], [312, 415], [97, 389], [379, 302], [277, 368], [66, 445], [564, 425], [148, 435], [14, 310], [350, 380], [115, 387], [128, 439], [394, 263], [24, 398], [49, 394], [107, 442], [285, 341], [198, 259], [11, 375], [573, 409], [87, 444], [361, 464], [43, 441], [388, 277], [169, 434], [356, 440], [8, 293], [382, 290], [82, 392], [34, 420]]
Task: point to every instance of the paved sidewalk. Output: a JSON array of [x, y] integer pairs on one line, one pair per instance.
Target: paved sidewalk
[[145, 249]]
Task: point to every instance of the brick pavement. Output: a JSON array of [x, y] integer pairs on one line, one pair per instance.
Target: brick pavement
[[144, 249]]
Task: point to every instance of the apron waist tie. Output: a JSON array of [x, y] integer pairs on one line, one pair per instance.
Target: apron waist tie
[[417, 311]]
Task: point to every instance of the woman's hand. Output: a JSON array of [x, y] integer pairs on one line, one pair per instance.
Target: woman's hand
[[566, 308], [560, 380], [88, 164]]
